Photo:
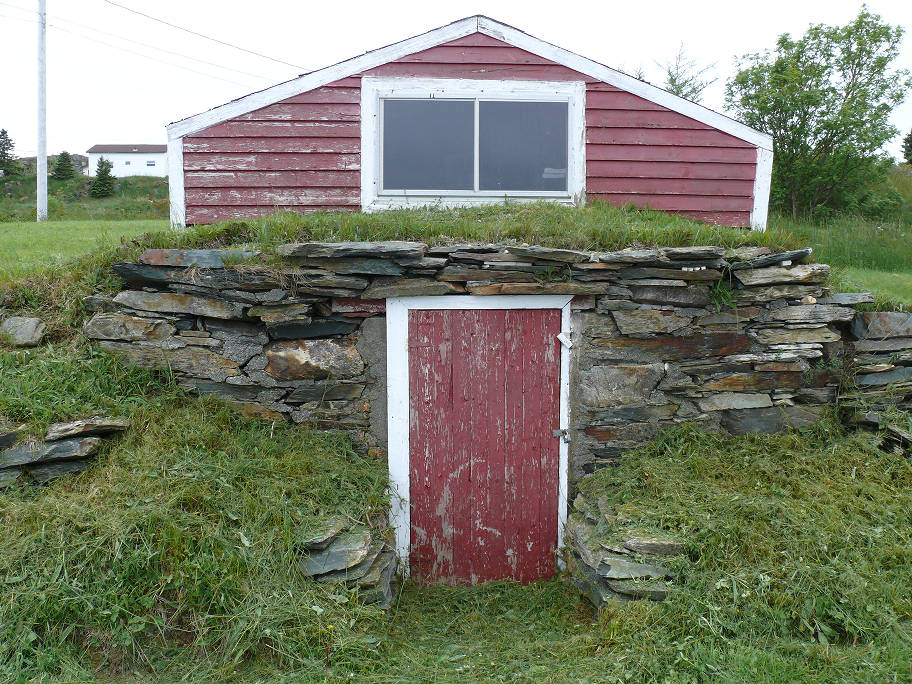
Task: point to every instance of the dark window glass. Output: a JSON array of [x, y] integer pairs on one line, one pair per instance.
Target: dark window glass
[[522, 145], [428, 144]]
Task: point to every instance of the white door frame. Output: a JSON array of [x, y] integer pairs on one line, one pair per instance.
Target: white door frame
[[398, 404]]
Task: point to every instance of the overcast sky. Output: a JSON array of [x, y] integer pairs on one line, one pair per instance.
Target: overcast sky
[[116, 77]]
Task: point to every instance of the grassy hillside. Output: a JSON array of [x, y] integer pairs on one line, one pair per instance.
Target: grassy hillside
[[136, 197]]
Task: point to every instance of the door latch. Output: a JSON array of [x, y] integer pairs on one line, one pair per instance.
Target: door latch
[[564, 434]]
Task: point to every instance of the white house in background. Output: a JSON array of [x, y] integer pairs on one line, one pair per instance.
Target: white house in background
[[130, 160]]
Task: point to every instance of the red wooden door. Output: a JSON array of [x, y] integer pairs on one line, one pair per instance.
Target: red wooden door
[[483, 481]]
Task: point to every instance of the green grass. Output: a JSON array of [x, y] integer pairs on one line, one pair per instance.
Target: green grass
[[173, 559], [28, 246], [135, 197]]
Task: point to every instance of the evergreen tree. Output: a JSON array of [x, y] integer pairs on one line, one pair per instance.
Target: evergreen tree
[[103, 183], [7, 159], [63, 167], [684, 78], [907, 148]]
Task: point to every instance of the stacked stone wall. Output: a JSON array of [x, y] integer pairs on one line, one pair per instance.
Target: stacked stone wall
[[740, 339]]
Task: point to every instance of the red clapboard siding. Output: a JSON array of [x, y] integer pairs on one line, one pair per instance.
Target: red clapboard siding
[[484, 388], [197, 161], [627, 137], [280, 196], [669, 169]]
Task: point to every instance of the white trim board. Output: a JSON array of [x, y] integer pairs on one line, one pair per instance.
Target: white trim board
[[176, 183], [763, 177], [374, 90], [398, 407], [458, 29]]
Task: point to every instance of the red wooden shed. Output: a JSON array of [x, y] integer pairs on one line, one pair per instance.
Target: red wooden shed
[[472, 112]]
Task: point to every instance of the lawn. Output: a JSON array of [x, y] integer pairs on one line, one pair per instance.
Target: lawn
[[29, 246]]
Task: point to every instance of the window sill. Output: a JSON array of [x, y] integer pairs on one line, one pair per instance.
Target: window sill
[[454, 201]]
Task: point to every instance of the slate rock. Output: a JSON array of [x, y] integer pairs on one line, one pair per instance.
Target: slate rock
[[848, 298], [629, 256], [355, 572], [465, 274], [768, 420], [317, 327], [96, 303], [796, 335], [408, 287], [11, 476], [776, 275], [696, 253], [330, 250], [761, 295], [315, 359], [610, 386], [694, 295], [639, 322], [356, 265], [651, 591], [654, 546], [873, 325], [87, 427], [379, 583], [169, 302], [326, 391], [68, 449], [882, 345], [23, 331], [734, 400], [215, 279], [634, 273], [592, 586], [619, 568], [194, 361], [815, 313], [202, 258], [51, 471], [118, 326], [324, 534], [557, 287], [549, 254], [671, 347], [281, 313], [9, 434], [345, 551], [773, 259], [900, 374]]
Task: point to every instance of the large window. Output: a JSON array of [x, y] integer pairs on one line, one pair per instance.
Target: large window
[[468, 142]]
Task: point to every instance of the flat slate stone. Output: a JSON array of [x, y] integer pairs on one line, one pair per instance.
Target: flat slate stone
[[630, 256], [118, 326], [557, 287], [330, 250], [640, 322], [325, 533], [11, 476], [692, 253], [773, 259], [734, 400], [328, 391], [651, 591], [9, 434], [355, 572], [217, 279], [768, 420], [776, 275], [548, 254], [315, 359], [898, 374], [654, 546], [358, 265], [672, 347], [28, 454], [318, 327], [23, 331], [872, 325], [848, 298], [195, 361], [815, 313], [87, 427], [670, 273], [51, 471], [408, 287], [169, 302], [796, 335], [894, 344], [610, 386], [465, 274], [203, 258], [345, 551], [281, 313], [694, 295], [767, 294], [616, 567]]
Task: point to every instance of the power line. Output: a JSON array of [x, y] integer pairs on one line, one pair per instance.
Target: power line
[[194, 33], [146, 45]]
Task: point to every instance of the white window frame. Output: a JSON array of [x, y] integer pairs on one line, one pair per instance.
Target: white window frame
[[375, 90], [398, 402]]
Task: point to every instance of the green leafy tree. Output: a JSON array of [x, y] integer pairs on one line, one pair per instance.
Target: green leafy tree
[[63, 167], [103, 183], [684, 78], [907, 148], [826, 98], [8, 163]]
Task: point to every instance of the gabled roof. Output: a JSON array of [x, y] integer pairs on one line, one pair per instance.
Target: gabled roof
[[141, 149], [458, 29]]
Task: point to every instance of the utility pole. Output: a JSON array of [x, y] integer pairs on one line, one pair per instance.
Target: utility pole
[[41, 160]]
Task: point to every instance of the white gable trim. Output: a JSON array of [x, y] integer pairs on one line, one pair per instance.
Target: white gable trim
[[763, 177], [176, 182], [458, 29]]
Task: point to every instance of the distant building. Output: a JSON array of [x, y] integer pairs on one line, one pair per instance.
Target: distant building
[[130, 160]]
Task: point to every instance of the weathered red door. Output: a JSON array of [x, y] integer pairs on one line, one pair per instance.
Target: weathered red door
[[483, 481]]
